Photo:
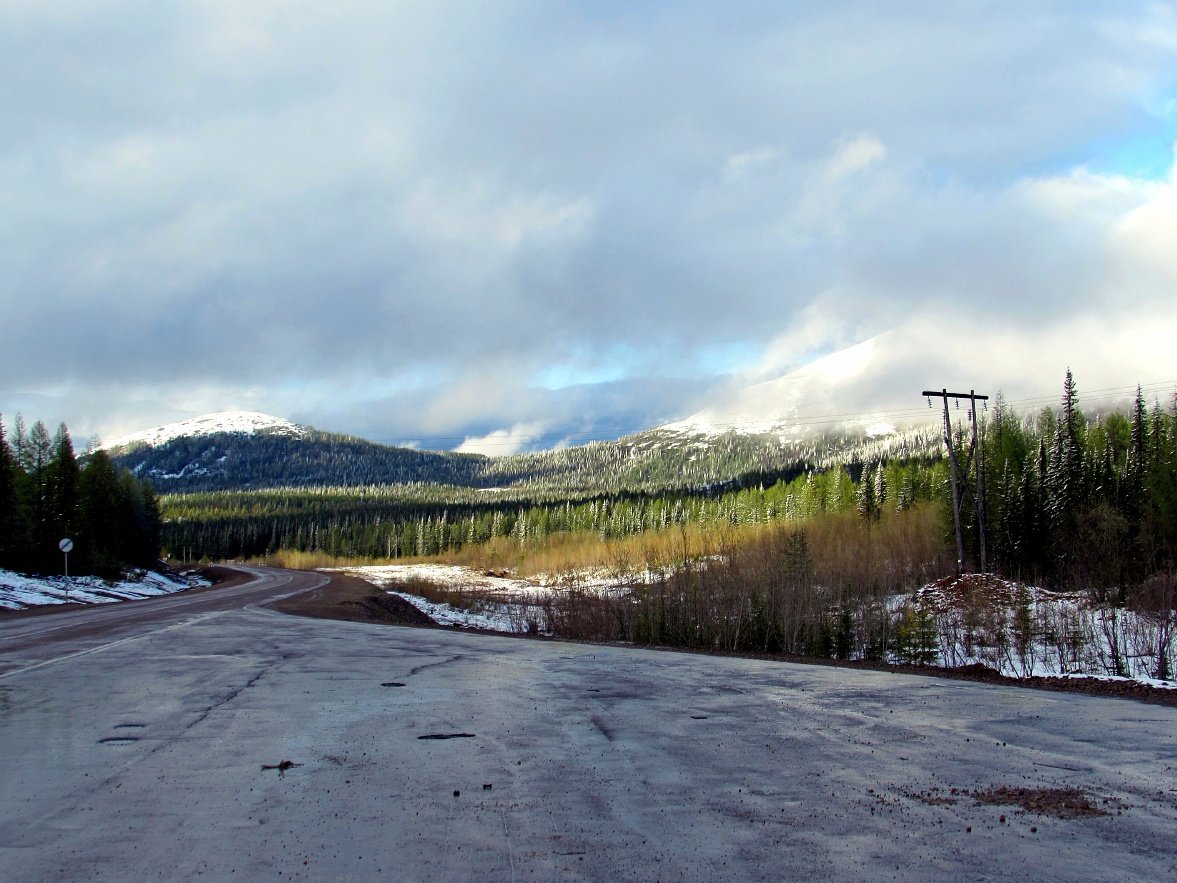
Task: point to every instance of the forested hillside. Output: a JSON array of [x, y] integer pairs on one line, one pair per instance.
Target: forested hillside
[[47, 495], [647, 462], [408, 521], [236, 460], [658, 460], [1082, 521], [613, 489]]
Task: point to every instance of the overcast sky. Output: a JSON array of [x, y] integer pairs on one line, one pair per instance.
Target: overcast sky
[[435, 222]]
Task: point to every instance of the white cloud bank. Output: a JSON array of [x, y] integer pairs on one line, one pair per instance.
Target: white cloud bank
[[395, 219]]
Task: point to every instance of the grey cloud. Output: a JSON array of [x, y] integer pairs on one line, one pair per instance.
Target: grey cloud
[[241, 197], [444, 416]]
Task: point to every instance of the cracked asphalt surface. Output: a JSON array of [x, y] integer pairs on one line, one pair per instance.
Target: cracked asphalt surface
[[132, 746]]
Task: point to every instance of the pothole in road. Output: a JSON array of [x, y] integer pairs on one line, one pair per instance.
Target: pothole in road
[[392, 684], [118, 740], [129, 726], [447, 736]]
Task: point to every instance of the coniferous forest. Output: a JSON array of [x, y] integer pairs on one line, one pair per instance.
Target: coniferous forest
[[1076, 501], [48, 493]]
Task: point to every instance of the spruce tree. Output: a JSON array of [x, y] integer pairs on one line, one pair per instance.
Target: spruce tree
[[62, 486], [1137, 465], [20, 443], [13, 528], [866, 502], [98, 498], [1065, 484], [39, 454]]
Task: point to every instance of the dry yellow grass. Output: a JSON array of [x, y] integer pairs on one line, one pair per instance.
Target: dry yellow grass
[[569, 552], [295, 560], [897, 551]]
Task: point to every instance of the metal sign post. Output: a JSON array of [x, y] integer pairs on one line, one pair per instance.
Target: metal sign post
[[66, 546]]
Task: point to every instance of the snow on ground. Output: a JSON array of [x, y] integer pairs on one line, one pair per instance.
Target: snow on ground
[[486, 600], [495, 617], [448, 575], [491, 601], [1020, 631], [1027, 631], [19, 592]]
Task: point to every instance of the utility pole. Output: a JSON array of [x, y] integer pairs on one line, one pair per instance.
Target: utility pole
[[959, 475]]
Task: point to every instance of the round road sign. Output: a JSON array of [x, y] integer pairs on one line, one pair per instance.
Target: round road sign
[[66, 545]]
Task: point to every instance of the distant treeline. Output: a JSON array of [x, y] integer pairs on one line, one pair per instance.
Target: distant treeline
[[47, 494], [416, 521]]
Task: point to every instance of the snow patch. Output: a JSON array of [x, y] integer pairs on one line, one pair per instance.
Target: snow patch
[[247, 422], [1027, 631], [20, 592], [491, 601]]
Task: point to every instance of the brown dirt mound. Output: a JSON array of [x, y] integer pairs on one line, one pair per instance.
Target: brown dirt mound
[[355, 600]]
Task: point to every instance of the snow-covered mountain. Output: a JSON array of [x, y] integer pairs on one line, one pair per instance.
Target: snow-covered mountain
[[246, 422], [815, 417], [244, 449], [808, 401]]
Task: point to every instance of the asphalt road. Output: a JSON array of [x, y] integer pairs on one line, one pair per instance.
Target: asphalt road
[[132, 746]]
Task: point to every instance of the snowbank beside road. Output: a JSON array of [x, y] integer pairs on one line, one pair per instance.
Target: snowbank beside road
[[19, 592]]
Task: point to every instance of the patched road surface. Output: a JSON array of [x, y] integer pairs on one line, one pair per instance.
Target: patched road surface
[[222, 740]]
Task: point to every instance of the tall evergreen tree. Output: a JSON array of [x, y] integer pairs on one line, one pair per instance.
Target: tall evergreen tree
[[866, 501], [1065, 482], [62, 490], [13, 533], [20, 443], [1133, 493], [98, 498], [39, 455]]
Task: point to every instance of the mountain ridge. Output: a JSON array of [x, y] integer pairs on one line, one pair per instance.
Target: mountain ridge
[[205, 460]]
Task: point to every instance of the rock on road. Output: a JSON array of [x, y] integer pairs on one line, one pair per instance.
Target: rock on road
[[133, 740]]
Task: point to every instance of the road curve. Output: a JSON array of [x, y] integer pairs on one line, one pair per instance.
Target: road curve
[[146, 742], [35, 641]]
